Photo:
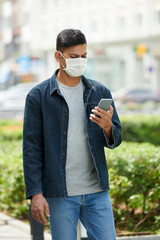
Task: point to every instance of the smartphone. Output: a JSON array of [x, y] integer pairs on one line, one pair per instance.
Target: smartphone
[[105, 103]]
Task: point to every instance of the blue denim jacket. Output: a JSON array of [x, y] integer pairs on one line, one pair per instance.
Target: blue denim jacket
[[45, 137]]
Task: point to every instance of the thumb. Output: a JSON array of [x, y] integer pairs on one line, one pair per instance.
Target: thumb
[[46, 207], [111, 109]]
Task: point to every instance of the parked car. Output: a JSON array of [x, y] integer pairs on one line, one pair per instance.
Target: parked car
[[14, 97], [141, 94]]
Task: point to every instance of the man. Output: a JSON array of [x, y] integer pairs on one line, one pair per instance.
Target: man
[[63, 146]]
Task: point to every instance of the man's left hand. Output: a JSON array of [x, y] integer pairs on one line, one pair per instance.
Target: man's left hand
[[104, 120]]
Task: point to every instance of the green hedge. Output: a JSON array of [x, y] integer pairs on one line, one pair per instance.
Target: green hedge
[[10, 130], [135, 128], [141, 128], [134, 170], [12, 197]]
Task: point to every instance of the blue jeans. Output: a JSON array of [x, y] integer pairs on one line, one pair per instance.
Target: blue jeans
[[93, 210]]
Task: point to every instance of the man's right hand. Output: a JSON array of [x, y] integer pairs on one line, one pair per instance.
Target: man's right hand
[[39, 204]]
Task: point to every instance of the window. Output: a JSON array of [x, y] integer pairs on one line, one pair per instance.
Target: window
[[93, 25], [7, 9], [43, 6], [156, 3], [157, 15], [121, 22], [138, 19]]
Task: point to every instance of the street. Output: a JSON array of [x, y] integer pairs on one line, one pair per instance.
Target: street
[[12, 102]]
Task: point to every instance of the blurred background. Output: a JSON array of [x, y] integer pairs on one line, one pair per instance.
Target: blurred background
[[123, 46], [124, 54]]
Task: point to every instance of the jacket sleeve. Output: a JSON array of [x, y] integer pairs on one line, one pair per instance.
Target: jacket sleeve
[[32, 146], [116, 137]]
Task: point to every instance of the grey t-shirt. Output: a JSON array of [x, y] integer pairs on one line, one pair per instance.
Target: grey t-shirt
[[81, 176]]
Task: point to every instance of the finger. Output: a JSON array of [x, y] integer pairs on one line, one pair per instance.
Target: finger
[[97, 113], [34, 212], [95, 118], [46, 207], [102, 111], [42, 218], [95, 121], [36, 217]]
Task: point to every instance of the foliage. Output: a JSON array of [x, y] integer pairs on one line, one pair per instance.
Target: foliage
[[134, 170], [141, 128], [12, 197], [10, 130], [135, 128]]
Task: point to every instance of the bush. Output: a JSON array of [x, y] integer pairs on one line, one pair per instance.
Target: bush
[[10, 130], [12, 196], [141, 129], [134, 129], [12, 192], [134, 170]]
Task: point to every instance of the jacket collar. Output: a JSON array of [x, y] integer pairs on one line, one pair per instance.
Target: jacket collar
[[54, 85], [53, 82]]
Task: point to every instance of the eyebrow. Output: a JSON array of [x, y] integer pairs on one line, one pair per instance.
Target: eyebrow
[[78, 55]]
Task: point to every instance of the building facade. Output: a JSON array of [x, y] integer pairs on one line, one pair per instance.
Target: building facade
[[123, 37]]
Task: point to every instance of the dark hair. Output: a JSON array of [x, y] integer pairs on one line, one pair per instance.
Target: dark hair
[[68, 38]]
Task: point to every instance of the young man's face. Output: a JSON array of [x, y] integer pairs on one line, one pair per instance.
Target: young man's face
[[72, 52]]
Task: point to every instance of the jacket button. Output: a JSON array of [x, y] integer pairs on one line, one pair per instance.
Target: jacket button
[[65, 110], [64, 132], [63, 154]]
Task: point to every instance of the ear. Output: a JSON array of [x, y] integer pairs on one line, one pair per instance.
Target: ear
[[58, 56]]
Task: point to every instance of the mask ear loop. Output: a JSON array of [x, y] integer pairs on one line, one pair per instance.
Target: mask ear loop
[[64, 59]]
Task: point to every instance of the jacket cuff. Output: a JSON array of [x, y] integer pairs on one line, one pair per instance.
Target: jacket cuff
[[29, 194], [110, 143]]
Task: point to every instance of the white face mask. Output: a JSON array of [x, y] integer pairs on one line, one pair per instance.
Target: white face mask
[[75, 67]]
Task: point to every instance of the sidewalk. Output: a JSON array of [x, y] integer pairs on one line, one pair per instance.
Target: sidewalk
[[12, 229]]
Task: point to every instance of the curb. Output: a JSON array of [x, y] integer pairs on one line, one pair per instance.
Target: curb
[[20, 225], [150, 237]]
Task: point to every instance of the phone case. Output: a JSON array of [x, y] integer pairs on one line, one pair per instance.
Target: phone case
[[105, 103]]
